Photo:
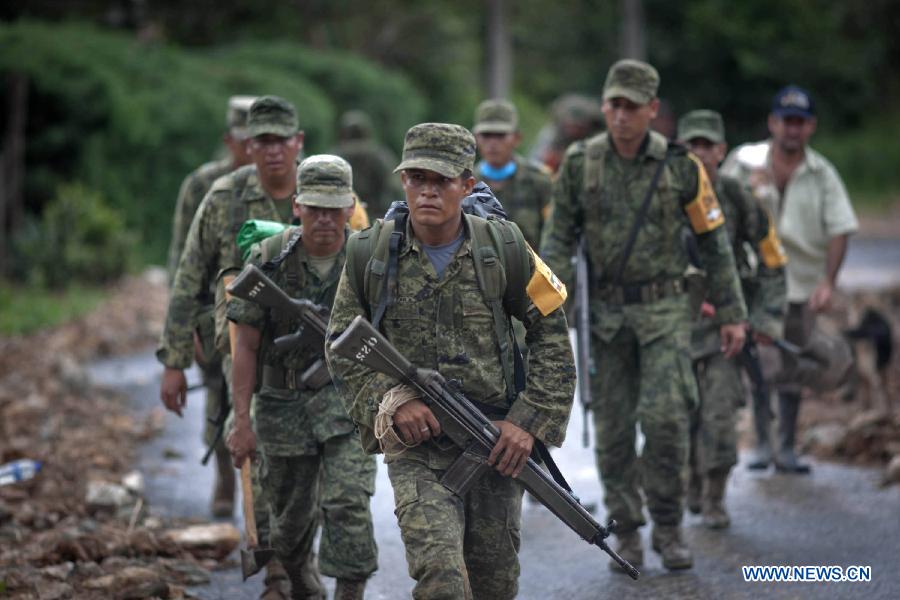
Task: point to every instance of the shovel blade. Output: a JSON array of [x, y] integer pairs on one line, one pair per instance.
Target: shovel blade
[[253, 560]]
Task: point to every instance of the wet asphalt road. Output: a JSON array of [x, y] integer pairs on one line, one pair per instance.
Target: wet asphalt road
[[837, 516]]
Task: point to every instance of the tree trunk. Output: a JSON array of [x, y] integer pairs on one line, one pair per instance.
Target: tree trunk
[[12, 162], [633, 39], [499, 47]]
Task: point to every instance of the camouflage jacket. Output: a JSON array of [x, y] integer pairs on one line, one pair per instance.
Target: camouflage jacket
[[444, 324], [191, 193], [762, 277], [525, 197], [291, 422], [211, 248], [606, 216]]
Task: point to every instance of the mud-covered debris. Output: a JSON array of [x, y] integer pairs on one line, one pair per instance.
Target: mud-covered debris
[[133, 583]]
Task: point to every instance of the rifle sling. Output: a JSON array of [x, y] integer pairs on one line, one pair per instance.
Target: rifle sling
[[639, 220]]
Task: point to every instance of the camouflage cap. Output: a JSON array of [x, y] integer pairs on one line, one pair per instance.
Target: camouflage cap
[[496, 116], [236, 117], [326, 181], [632, 79], [706, 124], [272, 115], [440, 147]]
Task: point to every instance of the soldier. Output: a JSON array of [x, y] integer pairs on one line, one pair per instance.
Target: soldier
[[193, 189], [521, 186], [371, 162], [760, 260], [262, 190], [574, 117], [634, 197], [304, 433], [815, 219], [437, 316]]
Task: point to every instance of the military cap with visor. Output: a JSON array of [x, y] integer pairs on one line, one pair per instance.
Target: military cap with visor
[[236, 116], [632, 79], [704, 124], [440, 147], [325, 181], [496, 116], [271, 115]]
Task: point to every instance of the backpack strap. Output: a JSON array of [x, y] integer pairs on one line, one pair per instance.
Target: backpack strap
[[499, 255], [388, 246], [595, 151], [366, 261]]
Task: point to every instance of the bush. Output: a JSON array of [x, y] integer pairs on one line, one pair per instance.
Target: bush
[[78, 238], [130, 118]]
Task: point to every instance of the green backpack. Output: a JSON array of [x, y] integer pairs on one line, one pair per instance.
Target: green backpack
[[501, 255]]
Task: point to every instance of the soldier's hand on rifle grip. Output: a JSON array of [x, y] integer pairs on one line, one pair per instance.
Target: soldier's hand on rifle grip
[[173, 390], [415, 422], [241, 442], [732, 336], [513, 448]]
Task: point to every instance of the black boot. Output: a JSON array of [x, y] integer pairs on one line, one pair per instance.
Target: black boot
[[786, 460], [762, 419]]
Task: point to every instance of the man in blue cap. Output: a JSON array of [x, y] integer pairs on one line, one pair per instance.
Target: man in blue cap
[[814, 218]]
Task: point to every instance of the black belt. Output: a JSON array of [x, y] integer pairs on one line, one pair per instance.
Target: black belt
[[282, 379], [641, 293]]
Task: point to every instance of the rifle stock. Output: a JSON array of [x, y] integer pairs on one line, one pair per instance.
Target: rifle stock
[[470, 430]]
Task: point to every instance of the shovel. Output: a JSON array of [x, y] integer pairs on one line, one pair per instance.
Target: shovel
[[252, 558]]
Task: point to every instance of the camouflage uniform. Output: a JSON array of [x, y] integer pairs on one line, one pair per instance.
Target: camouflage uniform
[[456, 547], [371, 162], [525, 195], [310, 458], [210, 249], [760, 261], [193, 189], [641, 326]]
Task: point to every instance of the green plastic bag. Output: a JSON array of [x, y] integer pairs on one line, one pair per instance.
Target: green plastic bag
[[255, 231]]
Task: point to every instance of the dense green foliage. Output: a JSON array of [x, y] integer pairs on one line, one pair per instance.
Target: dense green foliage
[[28, 308], [131, 119], [77, 238]]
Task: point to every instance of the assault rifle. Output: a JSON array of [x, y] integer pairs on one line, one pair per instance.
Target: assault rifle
[[464, 424], [253, 285], [584, 362]]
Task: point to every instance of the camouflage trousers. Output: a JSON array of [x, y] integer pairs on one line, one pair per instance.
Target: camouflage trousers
[[458, 547], [216, 399], [333, 487], [713, 435], [652, 385]]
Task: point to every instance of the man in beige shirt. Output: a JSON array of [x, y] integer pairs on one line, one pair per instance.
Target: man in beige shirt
[[805, 195]]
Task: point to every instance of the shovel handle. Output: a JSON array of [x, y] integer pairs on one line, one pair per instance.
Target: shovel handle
[[247, 494]]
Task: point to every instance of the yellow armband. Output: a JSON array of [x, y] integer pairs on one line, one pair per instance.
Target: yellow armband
[[704, 211], [545, 289], [771, 250]]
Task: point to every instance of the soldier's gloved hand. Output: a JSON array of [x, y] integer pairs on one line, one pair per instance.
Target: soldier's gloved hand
[[241, 442], [732, 337], [512, 449], [173, 390], [415, 422]]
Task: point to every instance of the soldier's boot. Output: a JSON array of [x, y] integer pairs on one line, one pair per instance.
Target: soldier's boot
[[714, 514], [628, 546], [761, 457], [786, 460], [276, 585], [695, 492], [668, 542], [306, 583], [349, 589], [223, 493]]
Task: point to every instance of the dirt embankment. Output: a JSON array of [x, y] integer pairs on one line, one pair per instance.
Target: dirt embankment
[[79, 528]]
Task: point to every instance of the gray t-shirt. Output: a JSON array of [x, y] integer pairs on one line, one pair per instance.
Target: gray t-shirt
[[440, 256]]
